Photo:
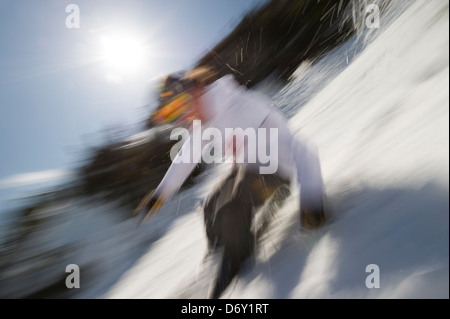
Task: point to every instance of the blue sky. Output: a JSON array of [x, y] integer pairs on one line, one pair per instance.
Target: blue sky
[[57, 94]]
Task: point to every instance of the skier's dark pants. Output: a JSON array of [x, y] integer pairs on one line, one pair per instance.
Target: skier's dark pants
[[228, 216]]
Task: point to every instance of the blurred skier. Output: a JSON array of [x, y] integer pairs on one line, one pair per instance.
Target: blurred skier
[[229, 210]]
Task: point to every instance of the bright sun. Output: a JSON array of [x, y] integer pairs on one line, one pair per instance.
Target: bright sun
[[122, 53]]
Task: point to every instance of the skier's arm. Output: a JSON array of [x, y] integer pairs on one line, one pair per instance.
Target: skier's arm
[[182, 166]]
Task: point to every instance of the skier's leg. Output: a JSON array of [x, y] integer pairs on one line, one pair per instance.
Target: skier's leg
[[212, 218], [250, 192], [271, 207], [238, 242]]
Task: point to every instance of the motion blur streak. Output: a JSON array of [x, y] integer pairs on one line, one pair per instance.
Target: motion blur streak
[[376, 107]]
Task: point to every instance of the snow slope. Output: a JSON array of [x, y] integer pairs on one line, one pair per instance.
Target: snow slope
[[377, 109], [380, 121]]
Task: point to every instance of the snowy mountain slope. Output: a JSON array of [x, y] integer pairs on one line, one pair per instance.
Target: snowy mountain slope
[[377, 109], [381, 125]]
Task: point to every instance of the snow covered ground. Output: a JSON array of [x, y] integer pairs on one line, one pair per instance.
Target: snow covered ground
[[377, 109], [381, 125]]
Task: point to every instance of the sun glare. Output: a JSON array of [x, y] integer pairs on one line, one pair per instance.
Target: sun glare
[[122, 53]]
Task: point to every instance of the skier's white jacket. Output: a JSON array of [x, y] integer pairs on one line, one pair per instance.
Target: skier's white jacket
[[230, 106]]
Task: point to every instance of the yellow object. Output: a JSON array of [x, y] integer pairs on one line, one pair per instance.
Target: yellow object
[[154, 210], [166, 94], [175, 108]]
